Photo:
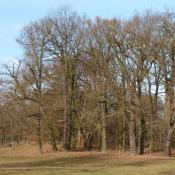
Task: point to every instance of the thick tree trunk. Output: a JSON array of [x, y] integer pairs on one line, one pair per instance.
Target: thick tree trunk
[[85, 141], [168, 146], [151, 142], [38, 133], [124, 133], [168, 140], [132, 138], [12, 135], [142, 136], [89, 142], [2, 135], [69, 133], [69, 104], [142, 120], [117, 135], [103, 128], [99, 138], [66, 134], [88, 139], [2, 130], [124, 114], [103, 139], [169, 109], [79, 137], [52, 138], [74, 140]]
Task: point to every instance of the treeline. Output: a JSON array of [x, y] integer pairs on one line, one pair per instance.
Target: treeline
[[103, 83]]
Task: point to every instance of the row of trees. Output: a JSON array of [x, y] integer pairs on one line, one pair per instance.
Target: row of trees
[[102, 82]]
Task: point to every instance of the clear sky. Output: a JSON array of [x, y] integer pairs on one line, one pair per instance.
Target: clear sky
[[14, 14]]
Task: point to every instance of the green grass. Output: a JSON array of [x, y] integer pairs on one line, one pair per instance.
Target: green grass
[[95, 165]]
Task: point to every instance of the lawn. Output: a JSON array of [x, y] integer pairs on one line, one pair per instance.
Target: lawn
[[85, 163]]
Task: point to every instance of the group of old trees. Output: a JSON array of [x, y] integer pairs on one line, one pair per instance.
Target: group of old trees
[[101, 83]]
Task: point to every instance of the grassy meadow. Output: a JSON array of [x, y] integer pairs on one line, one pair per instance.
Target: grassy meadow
[[25, 161]]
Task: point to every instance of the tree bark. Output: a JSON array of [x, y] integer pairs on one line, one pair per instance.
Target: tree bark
[[2, 130], [142, 136], [12, 135], [124, 133], [38, 132], [103, 128], [168, 140], [118, 135], [88, 141], [142, 120], [52, 138], [132, 138], [66, 134], [169, 116]]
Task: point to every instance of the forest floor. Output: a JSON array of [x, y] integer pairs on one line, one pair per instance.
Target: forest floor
[[24, 160]]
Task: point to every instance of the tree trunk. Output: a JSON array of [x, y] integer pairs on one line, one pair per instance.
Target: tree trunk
[[2, 130], [117, 135], [124, 114], [168, 140], [12, 135], [103, 128], [132, 138], [38, 133], [142, 120], [142, 136], [66, 134], [79, 137], [88, 139], [52, 138], [124, 133], [169, 117]]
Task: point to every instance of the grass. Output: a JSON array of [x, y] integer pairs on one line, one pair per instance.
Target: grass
[[85, 163]]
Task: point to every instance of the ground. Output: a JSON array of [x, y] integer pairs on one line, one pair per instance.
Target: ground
[[25, 160]]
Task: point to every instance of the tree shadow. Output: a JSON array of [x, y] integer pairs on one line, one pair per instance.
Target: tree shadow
[[87, 163], [170, 172]]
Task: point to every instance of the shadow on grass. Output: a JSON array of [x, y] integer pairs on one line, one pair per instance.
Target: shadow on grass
[[46, 171], [84, 163], [171, 172]]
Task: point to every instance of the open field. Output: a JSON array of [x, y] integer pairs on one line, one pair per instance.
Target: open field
[[82, 163]]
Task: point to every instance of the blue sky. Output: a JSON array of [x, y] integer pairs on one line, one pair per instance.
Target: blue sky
[[14, 14]]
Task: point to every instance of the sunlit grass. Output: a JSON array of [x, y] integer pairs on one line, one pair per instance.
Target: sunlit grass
[[26, 162]]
